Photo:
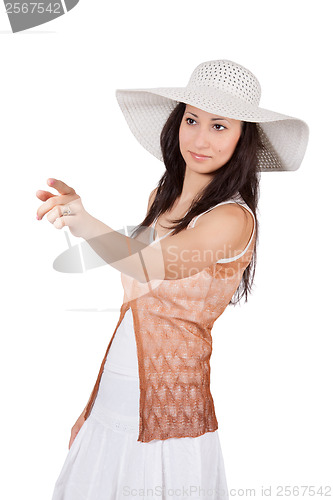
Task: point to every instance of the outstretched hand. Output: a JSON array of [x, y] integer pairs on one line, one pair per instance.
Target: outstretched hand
[[56, 207]]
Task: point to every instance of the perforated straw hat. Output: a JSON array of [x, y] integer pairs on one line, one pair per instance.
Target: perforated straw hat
[[224, 88]]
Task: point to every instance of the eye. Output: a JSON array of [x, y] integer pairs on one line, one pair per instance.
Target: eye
[[192, 120], [219, 125]]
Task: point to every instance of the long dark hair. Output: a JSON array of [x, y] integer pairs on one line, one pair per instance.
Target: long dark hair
[[239, 175]]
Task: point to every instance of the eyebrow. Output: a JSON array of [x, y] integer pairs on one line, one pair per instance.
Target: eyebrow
[[213, 119]]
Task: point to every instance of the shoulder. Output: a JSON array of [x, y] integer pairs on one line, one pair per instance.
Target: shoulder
[[220, 234], [230, 218], [151, 198]]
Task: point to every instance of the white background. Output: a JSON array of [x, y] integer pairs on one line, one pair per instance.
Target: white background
[[272, 357]]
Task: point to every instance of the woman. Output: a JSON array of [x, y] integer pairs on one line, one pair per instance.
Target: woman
[[149, 428]]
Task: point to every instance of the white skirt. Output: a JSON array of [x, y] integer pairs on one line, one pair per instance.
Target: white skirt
[[106, 462]]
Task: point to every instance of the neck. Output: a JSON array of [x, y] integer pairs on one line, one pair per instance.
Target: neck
[[194, 183]]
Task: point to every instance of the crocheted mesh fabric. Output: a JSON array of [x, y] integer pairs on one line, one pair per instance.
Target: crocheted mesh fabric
[[172, 323]]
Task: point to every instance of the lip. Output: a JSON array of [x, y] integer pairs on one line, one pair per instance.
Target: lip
[[199, 157]]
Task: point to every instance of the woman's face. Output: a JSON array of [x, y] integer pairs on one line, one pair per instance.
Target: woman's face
[[207, 141]]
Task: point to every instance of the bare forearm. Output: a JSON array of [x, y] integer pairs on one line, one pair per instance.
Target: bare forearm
[[120, 251]]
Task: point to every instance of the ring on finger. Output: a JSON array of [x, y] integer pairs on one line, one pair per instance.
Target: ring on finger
[[67, 210]]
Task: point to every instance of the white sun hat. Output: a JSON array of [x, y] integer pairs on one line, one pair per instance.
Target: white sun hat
[[224, 88]]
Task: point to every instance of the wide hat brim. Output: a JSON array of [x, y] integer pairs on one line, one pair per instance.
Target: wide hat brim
[[284, 137]]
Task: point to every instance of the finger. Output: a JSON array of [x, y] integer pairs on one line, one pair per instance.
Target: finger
[[56, 212], [60, 186], [63, 221], [54, 201], [44, 195]]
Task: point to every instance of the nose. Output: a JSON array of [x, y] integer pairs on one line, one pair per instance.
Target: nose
[[201, 140]]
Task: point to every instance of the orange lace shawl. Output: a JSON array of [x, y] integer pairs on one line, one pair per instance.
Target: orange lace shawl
[[173, 321]]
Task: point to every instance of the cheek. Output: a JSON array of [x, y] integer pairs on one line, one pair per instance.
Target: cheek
[[228, 146]]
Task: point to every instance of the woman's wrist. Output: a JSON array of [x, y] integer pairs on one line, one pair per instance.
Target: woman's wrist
[[92, 227]]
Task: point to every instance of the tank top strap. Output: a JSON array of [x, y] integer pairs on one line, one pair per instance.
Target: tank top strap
[[236, 199]]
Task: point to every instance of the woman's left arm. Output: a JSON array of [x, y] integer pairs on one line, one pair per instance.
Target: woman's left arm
[[222, 232], [120, 251]]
